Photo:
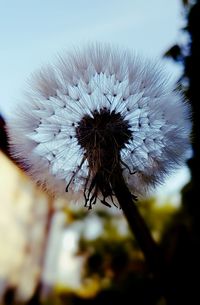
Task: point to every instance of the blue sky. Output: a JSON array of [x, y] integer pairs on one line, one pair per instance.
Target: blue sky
[[33, 32]]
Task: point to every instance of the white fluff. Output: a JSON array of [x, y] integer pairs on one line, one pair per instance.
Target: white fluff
[[42, 130]]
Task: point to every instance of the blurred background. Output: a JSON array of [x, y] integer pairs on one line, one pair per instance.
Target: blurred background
[[54, 252]]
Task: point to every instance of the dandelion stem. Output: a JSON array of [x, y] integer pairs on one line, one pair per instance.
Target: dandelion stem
[[137, 224]]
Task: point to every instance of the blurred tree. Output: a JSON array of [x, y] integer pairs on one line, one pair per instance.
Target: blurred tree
[[3, 136], [182, 241]]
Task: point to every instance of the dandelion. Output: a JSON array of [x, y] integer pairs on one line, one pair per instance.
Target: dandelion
[[97, 115], [98, 123]]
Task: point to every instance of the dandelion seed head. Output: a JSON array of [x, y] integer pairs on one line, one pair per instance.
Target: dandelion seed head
[[95, 109]]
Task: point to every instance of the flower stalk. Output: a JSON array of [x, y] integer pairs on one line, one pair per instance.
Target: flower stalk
[[137, 224]]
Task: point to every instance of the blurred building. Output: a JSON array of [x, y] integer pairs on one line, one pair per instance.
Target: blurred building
[[23, 223]]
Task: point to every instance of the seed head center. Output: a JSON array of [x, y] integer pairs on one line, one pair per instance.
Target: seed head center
[[105, 130]]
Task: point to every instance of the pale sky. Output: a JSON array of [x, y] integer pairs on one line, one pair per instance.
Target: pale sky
[[33, 32]]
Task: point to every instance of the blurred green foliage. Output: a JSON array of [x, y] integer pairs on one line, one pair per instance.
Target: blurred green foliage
[[115, 268]]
